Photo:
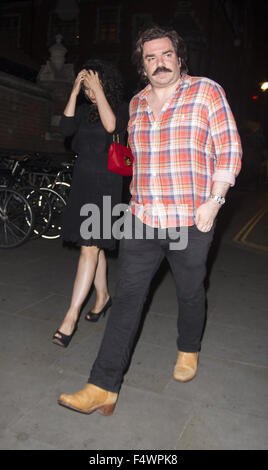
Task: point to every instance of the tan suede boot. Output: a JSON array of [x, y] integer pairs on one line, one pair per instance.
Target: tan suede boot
[[186, 366], [90, 398]]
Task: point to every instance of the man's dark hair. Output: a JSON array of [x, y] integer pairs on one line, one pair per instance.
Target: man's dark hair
[[158, 32]]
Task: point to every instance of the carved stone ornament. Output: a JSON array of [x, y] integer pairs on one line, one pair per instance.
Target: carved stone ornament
[[55, 68]]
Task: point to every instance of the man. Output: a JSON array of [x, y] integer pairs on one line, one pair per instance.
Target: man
[[187, 154]]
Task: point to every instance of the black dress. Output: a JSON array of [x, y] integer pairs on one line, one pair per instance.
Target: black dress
[[91, 180]]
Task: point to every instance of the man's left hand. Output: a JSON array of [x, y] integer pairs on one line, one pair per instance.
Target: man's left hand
[[206, 214]]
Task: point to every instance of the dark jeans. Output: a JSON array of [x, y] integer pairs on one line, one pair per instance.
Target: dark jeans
[[139, 259]]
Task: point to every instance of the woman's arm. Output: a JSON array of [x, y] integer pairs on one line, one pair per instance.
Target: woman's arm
[[69, 110], [68, 124]]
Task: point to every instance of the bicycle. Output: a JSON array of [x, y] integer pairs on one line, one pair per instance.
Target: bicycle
[[39, 202], [56, 183], [63, 179], [39, 187], [16, 218], [44, 174]]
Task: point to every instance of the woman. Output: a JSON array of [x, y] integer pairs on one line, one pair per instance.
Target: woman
[[92, 124]]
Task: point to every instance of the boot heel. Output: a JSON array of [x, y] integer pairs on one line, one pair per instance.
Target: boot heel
[[107, 409]]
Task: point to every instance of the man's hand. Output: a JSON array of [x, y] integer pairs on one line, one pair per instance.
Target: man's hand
[[206, 214]]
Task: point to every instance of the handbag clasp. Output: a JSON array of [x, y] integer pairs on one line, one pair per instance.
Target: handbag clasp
[[128, 161]]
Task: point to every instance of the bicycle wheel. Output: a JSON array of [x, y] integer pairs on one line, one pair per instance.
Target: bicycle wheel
[[41, 207], [62, 188], [58, 204], [16, 218]]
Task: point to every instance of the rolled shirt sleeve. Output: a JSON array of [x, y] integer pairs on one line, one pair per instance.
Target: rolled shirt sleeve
[[225, 137]]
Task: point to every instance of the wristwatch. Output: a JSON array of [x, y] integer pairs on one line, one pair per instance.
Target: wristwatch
[[219, 199]]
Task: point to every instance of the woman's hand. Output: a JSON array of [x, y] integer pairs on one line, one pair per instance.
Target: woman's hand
[[69, 110], [92, 81], [78, 82]]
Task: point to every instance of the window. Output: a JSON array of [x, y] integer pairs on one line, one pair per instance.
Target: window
[[108, 24]]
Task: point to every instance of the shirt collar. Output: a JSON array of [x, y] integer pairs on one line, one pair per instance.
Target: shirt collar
[[185, 81]]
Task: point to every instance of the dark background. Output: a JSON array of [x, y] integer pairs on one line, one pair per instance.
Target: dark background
[[226, 42]]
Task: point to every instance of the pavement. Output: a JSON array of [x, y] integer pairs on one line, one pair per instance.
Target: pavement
[[224, 407]]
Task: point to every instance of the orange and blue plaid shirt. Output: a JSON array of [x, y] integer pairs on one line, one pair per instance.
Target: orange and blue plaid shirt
[[193, 142]]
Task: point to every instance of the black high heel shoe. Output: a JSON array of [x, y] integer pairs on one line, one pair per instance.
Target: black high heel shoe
[[64, 340], [90, 316]]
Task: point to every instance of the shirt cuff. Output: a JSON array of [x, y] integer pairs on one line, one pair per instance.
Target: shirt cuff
[[224, 176]]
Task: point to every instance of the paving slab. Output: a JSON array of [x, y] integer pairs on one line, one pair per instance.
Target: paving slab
[[238, 344], [217, 429]]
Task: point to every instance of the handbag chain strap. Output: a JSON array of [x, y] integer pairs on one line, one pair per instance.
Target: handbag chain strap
[[116, 139]]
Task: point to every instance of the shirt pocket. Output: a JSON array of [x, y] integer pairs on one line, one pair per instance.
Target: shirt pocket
[[189, 127], [187, 118]]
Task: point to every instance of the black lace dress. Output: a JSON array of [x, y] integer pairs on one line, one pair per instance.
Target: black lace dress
[[87, 219]]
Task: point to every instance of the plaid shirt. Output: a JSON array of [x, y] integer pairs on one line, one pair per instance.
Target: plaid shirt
[[193, 142]]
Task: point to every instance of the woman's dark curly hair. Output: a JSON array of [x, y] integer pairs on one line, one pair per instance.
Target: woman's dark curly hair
[[112, 85], [157, 32]]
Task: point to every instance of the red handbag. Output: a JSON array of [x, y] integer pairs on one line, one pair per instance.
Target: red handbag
[[120, 159]]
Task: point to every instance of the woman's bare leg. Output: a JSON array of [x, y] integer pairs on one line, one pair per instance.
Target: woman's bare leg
[[86, 271], [100, 283]]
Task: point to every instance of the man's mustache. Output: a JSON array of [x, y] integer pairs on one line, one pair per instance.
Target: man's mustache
[[161, 69]]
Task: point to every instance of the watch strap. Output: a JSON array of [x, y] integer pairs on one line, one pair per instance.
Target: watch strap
[[219, 199]]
